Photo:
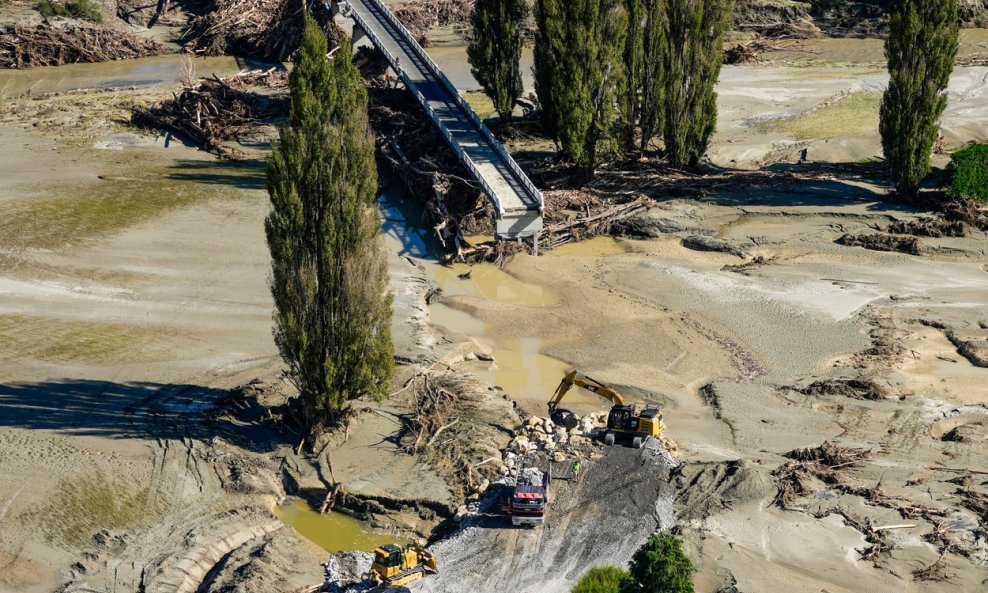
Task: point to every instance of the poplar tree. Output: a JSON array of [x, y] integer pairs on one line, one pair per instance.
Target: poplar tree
[[545, 67], [332, 316], [494, 51], [644, 109], [692, 55], [634, 66], [921, 48], [580, 66]]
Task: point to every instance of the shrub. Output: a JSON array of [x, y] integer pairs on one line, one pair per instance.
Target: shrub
[[80, 9], [603, 579], [969, 173], [661, 566]]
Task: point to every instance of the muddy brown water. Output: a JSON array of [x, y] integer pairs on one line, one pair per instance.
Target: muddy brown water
[[520, 367], [164, 70], [332, 531]]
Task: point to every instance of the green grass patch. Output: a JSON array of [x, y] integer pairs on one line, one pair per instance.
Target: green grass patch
[[480, 103], [66, 341], [969, 173], [81, 9], [117, 202], [853, 114], [82, 506]]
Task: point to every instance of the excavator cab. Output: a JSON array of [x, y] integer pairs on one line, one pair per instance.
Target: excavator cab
[[624, 420]]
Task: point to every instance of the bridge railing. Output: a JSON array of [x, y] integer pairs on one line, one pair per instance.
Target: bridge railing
[[464, 106]]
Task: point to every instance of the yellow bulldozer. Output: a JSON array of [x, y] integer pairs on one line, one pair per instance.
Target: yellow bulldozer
[[395, 566], [623, 421]]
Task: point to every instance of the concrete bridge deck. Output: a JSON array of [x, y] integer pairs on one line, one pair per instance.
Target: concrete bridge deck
[[517, 202]]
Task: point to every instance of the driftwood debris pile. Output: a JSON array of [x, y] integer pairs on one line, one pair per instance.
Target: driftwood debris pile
[[795, 478], [23, 46], [883, 242], [419, 16], [265, 29], [853, 388], [215, 111], [751, 51]]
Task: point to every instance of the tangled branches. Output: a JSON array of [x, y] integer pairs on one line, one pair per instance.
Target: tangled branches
[[437, 399], [213, 112], [46, 45], [419, 16], [820, 463], [264, 29]]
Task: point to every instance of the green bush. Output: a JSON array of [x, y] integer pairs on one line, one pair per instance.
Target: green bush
[[603, 579], [969, 173], [80, 9], [661, 566]]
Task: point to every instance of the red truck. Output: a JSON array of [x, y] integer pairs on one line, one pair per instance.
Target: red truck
[[529, 498]]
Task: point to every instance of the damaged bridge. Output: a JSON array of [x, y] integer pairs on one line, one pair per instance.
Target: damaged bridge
[[517, 202]]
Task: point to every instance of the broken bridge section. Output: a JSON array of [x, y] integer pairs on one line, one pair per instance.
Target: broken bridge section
[[517, 202]]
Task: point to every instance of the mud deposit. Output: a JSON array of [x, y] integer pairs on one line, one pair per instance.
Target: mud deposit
[[138, 453]]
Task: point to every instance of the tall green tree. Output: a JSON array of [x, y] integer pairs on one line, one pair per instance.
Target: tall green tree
[[661, 566], [581, 67], [603, 579], [494, 50], [921, 48], [634, 66], [644, 108], [545, 69], [332, 320], [692, 55]]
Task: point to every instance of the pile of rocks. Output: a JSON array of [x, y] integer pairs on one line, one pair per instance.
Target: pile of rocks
[[559, 444]]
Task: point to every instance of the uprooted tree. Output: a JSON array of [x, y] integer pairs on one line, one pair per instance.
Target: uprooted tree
[[921, 47], [329, 278], [494, 51], [692, 55], [580, 74]]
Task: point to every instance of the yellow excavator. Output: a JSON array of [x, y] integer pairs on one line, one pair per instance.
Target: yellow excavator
[[394, 566], [624, 420]]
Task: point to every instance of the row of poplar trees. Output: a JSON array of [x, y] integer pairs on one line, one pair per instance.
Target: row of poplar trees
[[612, 76]]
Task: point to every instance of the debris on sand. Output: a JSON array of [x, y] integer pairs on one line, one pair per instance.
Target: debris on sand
[[704, 243], [818, 463], [966, 211], [928, 227], [853, 388], [746, 53], [47, 45], [265, 29], [883, 242], [213, 112], [642, 227], [458, 427], [344, 569], [419, 16]]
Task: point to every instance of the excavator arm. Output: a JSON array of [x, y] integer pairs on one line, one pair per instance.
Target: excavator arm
[[584, 382]]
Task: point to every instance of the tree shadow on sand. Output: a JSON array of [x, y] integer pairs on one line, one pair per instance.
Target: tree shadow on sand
[[138, 410]]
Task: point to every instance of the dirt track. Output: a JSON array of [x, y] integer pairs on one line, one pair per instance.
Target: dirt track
[[600, 518]]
